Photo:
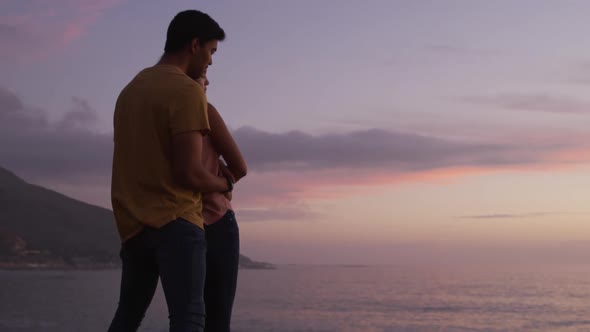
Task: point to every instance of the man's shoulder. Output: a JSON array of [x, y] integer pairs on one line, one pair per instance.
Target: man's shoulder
[[162, 81], [187, 87], [171, 73], [178, 83]]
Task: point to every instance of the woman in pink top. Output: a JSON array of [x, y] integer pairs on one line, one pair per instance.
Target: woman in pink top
[[221, 228]]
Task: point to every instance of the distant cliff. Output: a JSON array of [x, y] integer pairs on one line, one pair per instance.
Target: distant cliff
[[40, 228]]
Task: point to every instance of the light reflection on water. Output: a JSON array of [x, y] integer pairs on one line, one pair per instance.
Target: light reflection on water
[[306, 298]]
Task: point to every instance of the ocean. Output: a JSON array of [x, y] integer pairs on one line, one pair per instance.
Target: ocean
[[327, 298]]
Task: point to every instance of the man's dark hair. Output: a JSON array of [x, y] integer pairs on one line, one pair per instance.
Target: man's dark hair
[[190, 24]]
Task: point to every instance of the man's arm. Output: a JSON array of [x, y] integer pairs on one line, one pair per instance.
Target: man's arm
[[187, 164], [226, 146], [188, 122]]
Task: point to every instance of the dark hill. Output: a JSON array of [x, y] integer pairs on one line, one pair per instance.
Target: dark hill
[[42, 228]]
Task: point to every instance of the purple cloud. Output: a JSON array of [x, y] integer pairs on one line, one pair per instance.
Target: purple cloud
[[509, 215], [377, 149], [29, 141], [283, 165], [533, 102], [32, 146], [287, 212]]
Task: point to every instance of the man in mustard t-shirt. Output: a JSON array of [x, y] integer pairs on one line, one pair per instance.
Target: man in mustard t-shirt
[[159, 122]]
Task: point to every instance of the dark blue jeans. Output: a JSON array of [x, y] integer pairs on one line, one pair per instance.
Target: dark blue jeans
[[223, 253], [176, 254]]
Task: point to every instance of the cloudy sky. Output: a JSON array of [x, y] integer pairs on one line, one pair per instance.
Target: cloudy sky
[[375, 132]]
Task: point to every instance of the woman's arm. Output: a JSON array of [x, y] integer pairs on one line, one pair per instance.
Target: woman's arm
[[224, 143]]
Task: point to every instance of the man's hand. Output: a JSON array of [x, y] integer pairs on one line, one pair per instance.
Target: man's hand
[[225, 172]]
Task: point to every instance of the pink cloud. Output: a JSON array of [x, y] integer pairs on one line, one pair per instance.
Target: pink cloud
[[572, 155], [38, 28], [283, 189]]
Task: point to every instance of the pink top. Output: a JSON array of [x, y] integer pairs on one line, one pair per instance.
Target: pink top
[[215, 205]]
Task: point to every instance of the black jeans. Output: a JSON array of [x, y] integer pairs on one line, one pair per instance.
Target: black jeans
[[176, 254], [223, 253]]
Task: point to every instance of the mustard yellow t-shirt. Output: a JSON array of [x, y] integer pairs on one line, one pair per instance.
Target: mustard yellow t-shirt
[[159, 102]]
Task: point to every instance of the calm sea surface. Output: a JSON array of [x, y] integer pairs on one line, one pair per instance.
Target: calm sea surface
[[306, 298]]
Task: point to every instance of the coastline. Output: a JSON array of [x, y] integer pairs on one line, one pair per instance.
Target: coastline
[[82, 263]]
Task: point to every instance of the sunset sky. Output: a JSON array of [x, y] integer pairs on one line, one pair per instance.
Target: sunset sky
[[375, 132]]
